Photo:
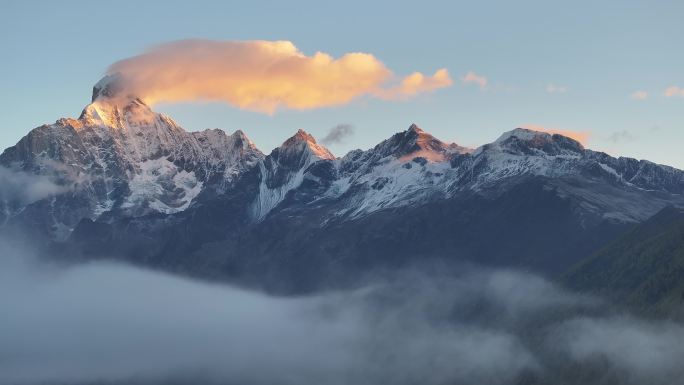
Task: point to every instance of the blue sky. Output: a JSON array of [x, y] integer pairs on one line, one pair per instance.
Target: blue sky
[[595, 54]]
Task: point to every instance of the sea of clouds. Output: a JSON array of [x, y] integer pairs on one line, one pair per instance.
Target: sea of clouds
[[110, 323]]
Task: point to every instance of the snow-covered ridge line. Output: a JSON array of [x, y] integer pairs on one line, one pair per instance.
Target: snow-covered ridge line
[[121, 159], [137, 161], [414, 167]]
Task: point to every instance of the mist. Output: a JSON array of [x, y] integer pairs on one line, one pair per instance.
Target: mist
[[119, 324], [25, 188]]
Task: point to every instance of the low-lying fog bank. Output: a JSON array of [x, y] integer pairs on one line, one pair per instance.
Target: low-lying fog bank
[[111, 323]]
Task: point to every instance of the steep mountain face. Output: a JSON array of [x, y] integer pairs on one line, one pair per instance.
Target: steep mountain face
[[130, 183], [121, 159], [529, 200], [413, 168], [283, 170], [642, 268], [359, 183]]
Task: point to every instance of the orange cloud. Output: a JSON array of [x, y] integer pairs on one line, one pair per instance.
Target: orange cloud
[[262, 76], [417, 83], [580, 136], [473, 78], [673, 91]]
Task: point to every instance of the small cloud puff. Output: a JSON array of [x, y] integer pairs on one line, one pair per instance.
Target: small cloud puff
[[473, 78], [639, 95], [338, 134], [674, 91], [556, 89]]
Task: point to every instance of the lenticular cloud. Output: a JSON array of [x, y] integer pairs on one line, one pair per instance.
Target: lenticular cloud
[[263, 76]]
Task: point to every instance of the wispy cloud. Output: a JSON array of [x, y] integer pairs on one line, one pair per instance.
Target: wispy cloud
[[556, 89], [24, 188], [621, 136], [263, 76], [473, 78], [338, 134], [674, 91], [639, 95]]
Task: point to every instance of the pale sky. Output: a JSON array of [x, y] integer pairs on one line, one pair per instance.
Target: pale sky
[[598, 67]]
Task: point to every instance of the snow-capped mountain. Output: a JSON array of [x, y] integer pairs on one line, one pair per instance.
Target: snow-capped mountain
[[283, 170], [127, 176], [121, 157], [413, 167], [527, 151]]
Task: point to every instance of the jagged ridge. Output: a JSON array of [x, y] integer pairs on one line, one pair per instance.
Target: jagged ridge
[[121, 159]]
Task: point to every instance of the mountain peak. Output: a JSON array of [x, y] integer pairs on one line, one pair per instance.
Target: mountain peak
[[521, 133], [110, 90], [243, 140], [527, 134], [112, 107], [300, 136], [240, 135], [414, 142], [414, 128], [523, 139], [305, 141], [304, 136], [118, 113], [109, 86]]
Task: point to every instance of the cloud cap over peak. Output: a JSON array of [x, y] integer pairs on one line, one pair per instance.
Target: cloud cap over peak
[[263, 76]]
